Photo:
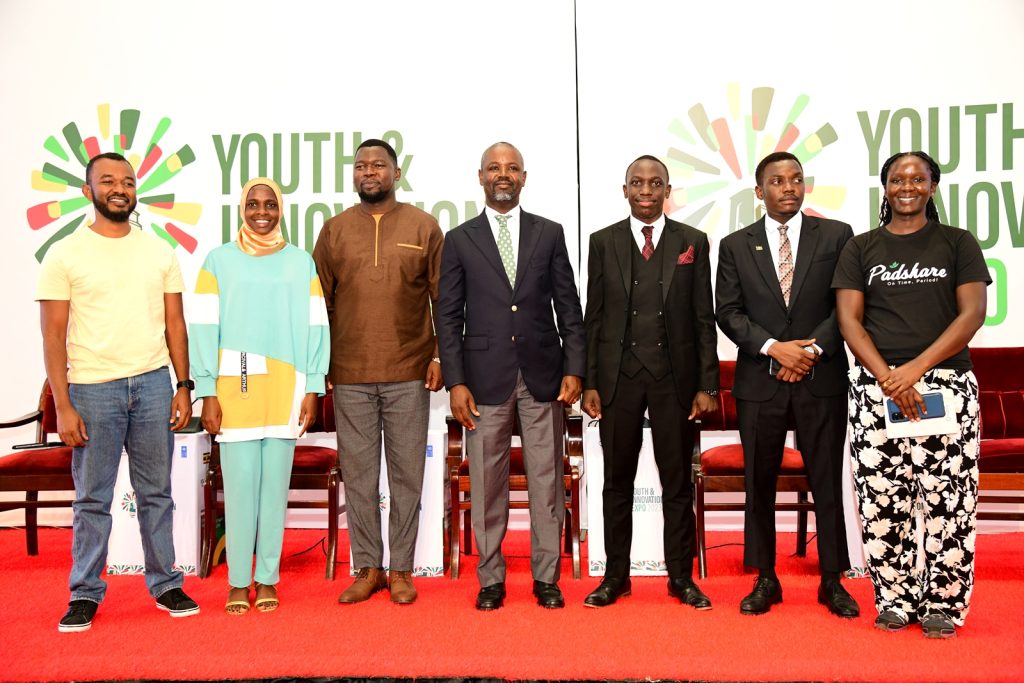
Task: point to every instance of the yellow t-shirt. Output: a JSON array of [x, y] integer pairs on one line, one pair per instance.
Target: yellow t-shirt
[[116, 287]]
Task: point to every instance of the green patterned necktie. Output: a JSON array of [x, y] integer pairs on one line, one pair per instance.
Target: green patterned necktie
[[508, 258]]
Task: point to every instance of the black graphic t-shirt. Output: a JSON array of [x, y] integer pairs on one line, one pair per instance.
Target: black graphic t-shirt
[[909, 284]]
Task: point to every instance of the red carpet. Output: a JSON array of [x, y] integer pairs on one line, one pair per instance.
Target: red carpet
[[646, 635]]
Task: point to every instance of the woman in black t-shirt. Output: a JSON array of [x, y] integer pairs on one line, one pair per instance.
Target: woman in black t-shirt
[[910, 296]]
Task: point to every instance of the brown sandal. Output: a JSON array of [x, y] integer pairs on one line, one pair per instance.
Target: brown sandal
[[236, 607], [266, 603]]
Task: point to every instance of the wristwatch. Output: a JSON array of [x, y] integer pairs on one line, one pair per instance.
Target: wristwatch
[[710, 392], [186, 384], [435, 359]]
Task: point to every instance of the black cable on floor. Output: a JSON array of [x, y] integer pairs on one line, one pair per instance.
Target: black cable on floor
[[322, 543]]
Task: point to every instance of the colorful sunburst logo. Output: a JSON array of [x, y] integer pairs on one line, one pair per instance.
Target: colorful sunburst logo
[[128, 503], [717, 189], [64, 174]]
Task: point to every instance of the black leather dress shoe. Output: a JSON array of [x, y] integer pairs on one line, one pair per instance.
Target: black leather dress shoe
[[838, 601], [610, 590], [767, 592], [548, 595], [688, 593], [490, 597]]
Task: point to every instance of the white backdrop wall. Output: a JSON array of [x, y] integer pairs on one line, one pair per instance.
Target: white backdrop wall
[[710, 88], [232, 90], [237, 78]]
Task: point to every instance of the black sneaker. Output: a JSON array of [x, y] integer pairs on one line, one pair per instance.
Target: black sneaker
[[78, 617], [177, 603]]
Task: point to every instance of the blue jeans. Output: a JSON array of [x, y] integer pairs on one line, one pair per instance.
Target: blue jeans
[[130, 414]]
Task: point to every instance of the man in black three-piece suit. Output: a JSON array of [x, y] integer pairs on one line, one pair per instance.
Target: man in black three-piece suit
[[775, 301], [505, 277], [651, 346]]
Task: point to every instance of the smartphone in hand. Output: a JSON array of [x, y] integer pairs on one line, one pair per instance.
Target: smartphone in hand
[[934, 407]]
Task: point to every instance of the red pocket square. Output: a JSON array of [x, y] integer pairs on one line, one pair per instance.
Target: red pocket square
[[685, 257]]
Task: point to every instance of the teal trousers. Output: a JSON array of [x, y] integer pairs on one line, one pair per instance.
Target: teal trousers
[[256, 476]]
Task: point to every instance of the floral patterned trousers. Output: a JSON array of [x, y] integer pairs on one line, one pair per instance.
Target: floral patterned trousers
[[939, 474]]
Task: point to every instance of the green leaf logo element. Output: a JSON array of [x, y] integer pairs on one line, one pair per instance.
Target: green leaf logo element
[[894, 264]]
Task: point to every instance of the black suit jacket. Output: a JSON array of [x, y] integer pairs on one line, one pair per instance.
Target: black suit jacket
[[488, 331], [688, 308], [751, 310]]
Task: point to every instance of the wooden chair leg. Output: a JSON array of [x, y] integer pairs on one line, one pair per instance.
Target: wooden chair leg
[[567, 531], [332, 523], [209, 527], [575, 514], [702, 552], [32, 522], [801, 526], [446, 542], [453, 530], [467, 529]]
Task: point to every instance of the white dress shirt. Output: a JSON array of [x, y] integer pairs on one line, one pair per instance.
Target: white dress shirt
[[636, 226], [771, 229]]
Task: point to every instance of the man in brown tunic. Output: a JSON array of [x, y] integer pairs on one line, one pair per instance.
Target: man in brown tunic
[[379, 264]]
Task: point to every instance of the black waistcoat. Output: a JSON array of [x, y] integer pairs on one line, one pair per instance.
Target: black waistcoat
[[646, 342]]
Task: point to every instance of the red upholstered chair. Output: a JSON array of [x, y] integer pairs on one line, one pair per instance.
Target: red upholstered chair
[[459, 486], [1000, 373], [314, 468], [719, 469], [40, 466]]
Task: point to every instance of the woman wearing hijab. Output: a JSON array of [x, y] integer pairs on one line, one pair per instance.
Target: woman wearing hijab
[[910, 296], [259, 349]]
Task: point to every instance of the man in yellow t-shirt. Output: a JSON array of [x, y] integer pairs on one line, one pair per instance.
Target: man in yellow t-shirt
[[111, 311]]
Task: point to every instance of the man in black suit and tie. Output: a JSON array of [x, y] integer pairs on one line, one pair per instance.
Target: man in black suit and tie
[[651, 345], [774, 299], [505, 276]]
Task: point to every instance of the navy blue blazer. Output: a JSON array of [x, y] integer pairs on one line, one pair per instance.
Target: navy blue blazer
[[489, 331]]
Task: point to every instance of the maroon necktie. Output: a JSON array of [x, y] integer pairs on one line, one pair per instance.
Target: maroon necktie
[[648, 250]]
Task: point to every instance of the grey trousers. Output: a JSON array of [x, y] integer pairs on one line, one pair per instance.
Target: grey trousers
[[362, 411], [487, 448]]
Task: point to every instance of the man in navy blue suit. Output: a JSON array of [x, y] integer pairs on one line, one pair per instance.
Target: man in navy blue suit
[[505, 277]]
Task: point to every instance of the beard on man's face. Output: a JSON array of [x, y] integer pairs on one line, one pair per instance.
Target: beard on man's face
[[115, 215], [372, 197]]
